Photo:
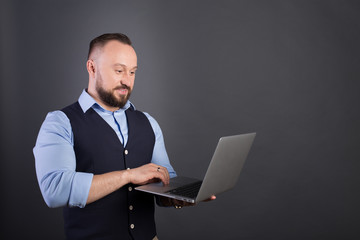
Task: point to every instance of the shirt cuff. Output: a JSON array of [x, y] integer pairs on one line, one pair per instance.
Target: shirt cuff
[[80, 189]]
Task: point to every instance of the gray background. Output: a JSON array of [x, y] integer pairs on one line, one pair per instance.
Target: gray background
[[288, 70]]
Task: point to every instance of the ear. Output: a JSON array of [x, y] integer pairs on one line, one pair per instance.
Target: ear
[[90, 66]]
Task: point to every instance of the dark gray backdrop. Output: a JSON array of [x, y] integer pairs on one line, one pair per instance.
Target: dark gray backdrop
[[288, 70]]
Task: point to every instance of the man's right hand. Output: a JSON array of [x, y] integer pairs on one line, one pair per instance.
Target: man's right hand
[[148, 173]]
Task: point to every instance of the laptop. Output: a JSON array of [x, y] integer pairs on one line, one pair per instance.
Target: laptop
[[222, 174]]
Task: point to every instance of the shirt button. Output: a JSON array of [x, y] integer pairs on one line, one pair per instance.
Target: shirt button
[[132, 226], [131, 207], [130, 189], [126, 152]]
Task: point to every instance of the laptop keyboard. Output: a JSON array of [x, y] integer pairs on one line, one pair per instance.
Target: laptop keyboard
[[190, 190]]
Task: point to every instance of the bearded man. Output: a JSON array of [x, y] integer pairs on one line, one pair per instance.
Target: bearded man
[[91, 154]]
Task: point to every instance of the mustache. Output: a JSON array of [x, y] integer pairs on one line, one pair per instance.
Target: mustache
[[123, 86]]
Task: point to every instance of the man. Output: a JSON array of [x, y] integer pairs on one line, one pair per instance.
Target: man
[[91, 154]]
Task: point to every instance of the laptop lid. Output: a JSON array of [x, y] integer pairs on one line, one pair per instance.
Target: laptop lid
[[222, 173], [226, 165]]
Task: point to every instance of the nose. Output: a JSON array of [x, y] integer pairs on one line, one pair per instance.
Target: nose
[[125, 79]]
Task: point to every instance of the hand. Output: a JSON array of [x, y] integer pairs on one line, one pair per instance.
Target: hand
[[148, 173]]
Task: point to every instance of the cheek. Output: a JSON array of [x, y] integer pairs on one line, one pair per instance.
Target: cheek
[[108, 80], [132, 81]]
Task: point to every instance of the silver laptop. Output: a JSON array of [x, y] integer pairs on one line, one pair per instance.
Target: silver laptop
[[222, 174]]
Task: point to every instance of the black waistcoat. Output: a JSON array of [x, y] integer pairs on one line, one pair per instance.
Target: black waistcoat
[[125, 213]]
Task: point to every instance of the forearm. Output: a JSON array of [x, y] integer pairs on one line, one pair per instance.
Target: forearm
[[107, 183], [104, 184]]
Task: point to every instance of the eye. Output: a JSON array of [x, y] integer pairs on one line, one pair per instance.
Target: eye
[[118, 71]]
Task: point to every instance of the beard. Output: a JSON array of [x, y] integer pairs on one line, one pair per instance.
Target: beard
[[110, 98]]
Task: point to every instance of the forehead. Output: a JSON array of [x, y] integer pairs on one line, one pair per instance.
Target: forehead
[[115, 52]]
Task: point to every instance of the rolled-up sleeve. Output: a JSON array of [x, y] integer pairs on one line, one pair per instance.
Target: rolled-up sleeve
[[55, 164]]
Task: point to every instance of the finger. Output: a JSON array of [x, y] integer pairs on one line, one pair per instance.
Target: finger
[[164, 173], [162, 176], [167, 175], [146, 174]]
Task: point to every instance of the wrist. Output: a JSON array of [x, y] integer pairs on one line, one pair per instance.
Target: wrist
[[127, 176]]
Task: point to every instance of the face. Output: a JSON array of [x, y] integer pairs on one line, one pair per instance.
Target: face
[[115, 66]]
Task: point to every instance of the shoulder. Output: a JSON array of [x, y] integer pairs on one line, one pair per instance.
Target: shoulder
[[74, 108], [57, 116], [55, 129], [154, 124], [57, 122]]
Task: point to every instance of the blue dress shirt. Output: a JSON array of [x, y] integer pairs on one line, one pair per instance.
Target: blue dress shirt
[[55, 160]]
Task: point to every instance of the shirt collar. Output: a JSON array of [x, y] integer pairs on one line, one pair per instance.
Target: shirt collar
[[86, 102]]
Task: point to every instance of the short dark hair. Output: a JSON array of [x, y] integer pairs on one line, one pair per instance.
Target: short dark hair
[[101, 40]]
